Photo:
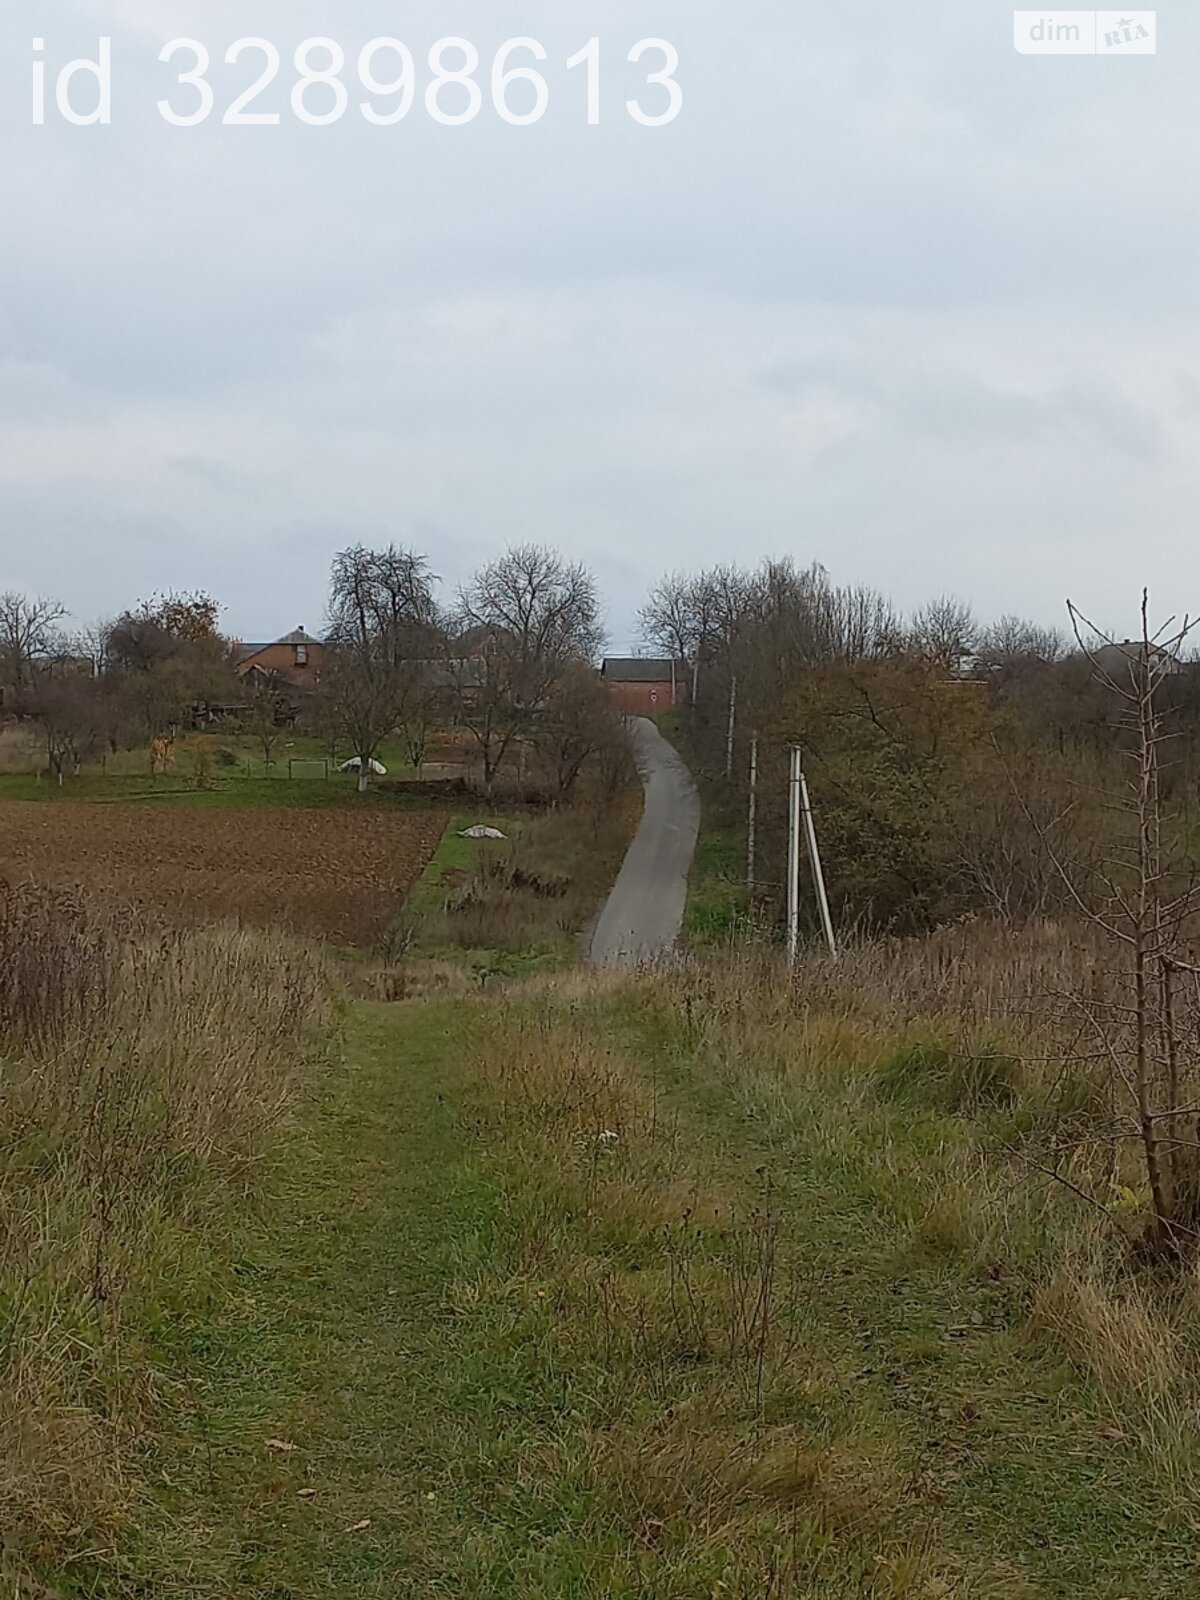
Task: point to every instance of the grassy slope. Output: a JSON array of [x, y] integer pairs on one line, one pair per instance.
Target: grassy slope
[[530, 1355], [716, 903], [454, 860], [515, 906]]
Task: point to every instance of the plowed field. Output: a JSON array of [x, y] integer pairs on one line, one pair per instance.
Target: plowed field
[[337, 874]]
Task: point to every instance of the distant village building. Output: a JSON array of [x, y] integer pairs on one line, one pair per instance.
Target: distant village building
[[1119, 661], [642, 685], [297, 660]]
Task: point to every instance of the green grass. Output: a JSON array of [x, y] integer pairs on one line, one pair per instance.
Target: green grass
[[241, 778], [522, 902], [454, 860], [501, 1298], [672, 725], [717, 903], [916, 1272], [335, 1336]]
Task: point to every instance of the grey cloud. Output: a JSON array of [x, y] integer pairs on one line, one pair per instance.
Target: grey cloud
[[888, 296]]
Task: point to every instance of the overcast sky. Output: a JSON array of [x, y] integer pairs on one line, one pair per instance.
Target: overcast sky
[[886, 295]]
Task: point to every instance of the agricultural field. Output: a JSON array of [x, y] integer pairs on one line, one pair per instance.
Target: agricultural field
[[338, 873]]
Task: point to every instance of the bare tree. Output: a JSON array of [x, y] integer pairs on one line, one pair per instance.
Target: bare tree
[[1013, 642], [423, 709], [320, 716], [27, 637], [363, 702], [723, 597], [578, 721], [1144, 1017], [91, 645], [382, 600], [383, 628], [68, 710], [944, 633], [668, 621], [264, 694], [695, 618], [525, 620]]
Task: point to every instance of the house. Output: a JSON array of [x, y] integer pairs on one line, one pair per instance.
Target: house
[[1120, 661], [640, 685], [296, 659]]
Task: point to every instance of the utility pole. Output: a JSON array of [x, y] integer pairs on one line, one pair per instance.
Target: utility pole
[[793, 866], [672, 683], [732, 722], [752, 818], [814, 857], [800, 813]]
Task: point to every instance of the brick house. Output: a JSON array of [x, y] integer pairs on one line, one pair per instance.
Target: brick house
[[296, 659], [642, 685]]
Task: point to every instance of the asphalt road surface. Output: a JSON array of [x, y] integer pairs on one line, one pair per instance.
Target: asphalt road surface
[[644, 913]]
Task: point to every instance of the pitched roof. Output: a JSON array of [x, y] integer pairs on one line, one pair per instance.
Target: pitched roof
[[297, 636], [641, 669]]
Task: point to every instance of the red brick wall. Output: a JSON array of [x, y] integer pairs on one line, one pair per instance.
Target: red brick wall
[[641, 699], [281, 658]]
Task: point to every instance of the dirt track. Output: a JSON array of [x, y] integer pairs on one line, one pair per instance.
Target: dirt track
[[338, 874]]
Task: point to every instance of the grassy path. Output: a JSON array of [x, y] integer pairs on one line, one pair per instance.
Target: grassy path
[[505, 1312], [338, 1345]]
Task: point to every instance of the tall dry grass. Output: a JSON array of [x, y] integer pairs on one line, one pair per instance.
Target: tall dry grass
[[142, 1072], [944, 1082], [980, 968], [540, 888]]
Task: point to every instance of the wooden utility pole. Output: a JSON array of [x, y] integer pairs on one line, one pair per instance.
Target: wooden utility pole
[[814, 857], [752, 817], [800, 813], [732, 723], [793, 866]]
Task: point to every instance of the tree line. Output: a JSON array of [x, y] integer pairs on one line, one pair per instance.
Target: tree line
[[956, 767], [509, 660]]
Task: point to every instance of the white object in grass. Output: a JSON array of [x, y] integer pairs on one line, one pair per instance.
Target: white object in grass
[[354, 763]]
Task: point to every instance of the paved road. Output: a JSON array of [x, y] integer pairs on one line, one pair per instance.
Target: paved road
[[644, 913]]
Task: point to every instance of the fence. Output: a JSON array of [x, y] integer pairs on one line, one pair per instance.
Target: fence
[[308, 768]]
